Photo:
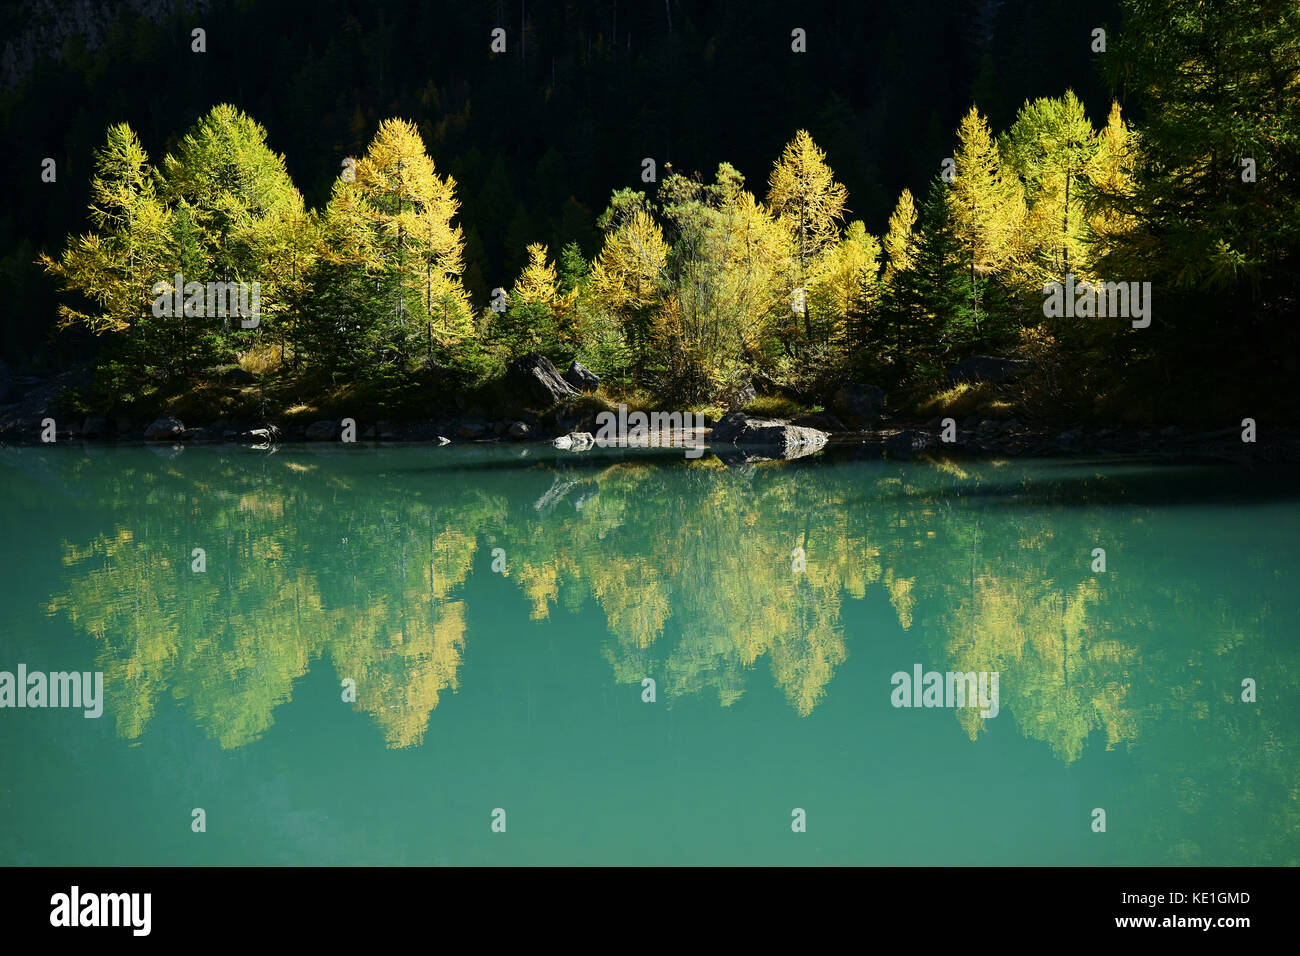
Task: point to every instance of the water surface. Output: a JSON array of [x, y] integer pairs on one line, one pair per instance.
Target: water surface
[[499, 609]]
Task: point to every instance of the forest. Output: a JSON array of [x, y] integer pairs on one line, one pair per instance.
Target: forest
[[696, 282]]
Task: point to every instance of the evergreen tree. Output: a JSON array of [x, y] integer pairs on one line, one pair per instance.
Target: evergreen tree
[[115, 267], [244, 209]]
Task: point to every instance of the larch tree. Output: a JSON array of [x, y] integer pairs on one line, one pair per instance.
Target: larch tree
[[421, 250], [628, 278], [985, 210], [803, 194], [844, 285], [897, 243], [1108, 192], [343, 299], [115, 267], [244, 209], [727, 270], [1049, 148], [529, 322]]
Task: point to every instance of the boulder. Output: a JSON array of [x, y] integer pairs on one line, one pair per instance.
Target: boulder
[[908, 444], [738, 428], [740, 396], [323, 431], [96, 426], [575, 441], [582, 378], [519, 430], [166, 428], [538, 379], [986, 368], [859, 405]]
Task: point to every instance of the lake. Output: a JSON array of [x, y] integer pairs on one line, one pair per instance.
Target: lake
[[489, 654]]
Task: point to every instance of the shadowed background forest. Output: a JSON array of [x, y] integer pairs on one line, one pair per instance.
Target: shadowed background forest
[[539, 138]]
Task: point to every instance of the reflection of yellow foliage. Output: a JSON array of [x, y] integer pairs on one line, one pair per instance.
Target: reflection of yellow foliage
[[541, 583], [1060, 679], [900, 596]]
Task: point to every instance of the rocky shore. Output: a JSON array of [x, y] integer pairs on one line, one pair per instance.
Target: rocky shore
[[856, 419]]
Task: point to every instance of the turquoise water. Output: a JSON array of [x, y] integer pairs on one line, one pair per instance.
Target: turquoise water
[[520, 687]]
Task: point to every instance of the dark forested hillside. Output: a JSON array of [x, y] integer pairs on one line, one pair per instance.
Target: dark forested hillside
[[536, 138]]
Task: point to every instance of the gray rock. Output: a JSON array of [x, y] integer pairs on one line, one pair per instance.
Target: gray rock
[[740, 396], [582, 378], [96, 426], [166, 428], [575, 441], [738, 428], [323, 431], [519, 430], [858, 404], [263, 437], [539, 380], [908, 443], [986, 368]]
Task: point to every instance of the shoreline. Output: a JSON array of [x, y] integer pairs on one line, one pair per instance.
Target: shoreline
[[779, 439]]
